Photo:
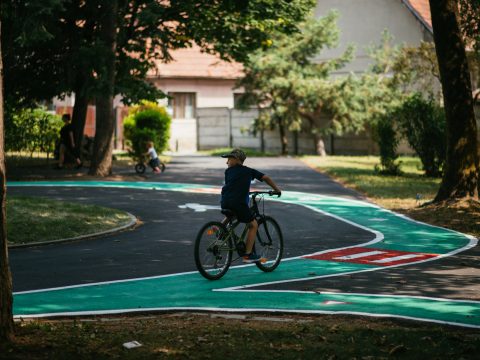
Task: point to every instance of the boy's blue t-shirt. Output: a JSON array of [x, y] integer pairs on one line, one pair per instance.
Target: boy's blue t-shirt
[[237, 183]]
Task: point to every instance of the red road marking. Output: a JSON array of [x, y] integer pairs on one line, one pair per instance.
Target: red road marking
[[372, 256]]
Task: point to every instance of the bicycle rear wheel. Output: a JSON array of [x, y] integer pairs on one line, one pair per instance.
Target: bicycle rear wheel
[[213, 250], [269, 244]]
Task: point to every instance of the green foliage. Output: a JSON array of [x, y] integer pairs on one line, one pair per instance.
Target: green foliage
[[32, 130], [285, 77], [147, 122], [470, 23], [387, 139], [56, 47], [423, 123], [396, 72]]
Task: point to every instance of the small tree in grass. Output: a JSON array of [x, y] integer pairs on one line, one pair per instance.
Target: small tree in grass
[[422, 122], [147, 122]]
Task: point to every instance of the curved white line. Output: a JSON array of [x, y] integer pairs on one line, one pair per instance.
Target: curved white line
[[236, 310]]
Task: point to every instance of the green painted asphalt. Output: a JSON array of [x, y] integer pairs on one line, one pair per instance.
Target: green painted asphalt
[[191, 291]]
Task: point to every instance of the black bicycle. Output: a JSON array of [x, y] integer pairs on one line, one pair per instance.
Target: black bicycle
[[216, 242], [141, 166]]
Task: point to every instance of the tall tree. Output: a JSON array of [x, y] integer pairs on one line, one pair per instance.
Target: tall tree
[[105, 120], [6, 301], [461, 171]]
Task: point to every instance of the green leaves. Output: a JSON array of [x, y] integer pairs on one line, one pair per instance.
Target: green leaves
[[287, 78], [147, 122]]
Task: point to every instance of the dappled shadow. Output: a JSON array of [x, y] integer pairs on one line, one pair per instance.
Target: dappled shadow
[[455, 277]]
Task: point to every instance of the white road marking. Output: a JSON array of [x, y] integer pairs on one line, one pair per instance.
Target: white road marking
[[199, 207], [396, 258], [360, 255]]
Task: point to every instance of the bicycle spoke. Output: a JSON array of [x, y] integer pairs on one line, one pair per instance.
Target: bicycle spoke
[[269, 244], [213, 252]]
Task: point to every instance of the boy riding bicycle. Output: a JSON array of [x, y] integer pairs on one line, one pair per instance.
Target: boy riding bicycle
[[235, 196]]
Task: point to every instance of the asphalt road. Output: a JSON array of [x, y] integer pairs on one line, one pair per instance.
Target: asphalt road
[[163, 244]]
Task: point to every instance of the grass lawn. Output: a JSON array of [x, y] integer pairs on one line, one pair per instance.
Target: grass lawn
[[406, 193], [34, 219]]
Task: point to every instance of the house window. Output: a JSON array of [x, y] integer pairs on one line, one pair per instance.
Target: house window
[[182, 105]]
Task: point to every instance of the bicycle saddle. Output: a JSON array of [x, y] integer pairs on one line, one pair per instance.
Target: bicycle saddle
[[228, 213]]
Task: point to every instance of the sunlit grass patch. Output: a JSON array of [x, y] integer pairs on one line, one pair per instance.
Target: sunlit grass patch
[[35, 219], [407, 190], [405, 193]]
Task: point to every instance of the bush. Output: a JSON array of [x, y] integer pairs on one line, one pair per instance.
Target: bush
[[31, 130], [423, 123], [146, 122], [386, 136]]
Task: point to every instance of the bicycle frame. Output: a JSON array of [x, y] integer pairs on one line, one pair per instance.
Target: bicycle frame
[[216, 242], [232, 224]]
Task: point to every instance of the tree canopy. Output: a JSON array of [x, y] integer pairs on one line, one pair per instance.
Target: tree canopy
[[285, 77], [70, 45]]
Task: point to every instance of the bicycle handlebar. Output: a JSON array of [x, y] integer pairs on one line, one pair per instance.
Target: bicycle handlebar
[[269, 193]]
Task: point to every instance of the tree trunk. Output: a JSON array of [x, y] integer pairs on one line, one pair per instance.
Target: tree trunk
[[105, 121], [461, 171], [6, 300], [319, 145], [283, 138], [79, 115]]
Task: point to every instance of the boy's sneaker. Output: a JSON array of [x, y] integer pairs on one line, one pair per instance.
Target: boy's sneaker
[[252, 258]]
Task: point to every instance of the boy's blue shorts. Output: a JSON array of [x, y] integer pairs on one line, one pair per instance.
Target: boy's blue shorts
[[241, 210], [154, 163]]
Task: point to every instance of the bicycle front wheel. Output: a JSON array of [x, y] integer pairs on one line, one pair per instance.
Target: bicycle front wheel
[[140, 168], [269, 244], [213, 250]]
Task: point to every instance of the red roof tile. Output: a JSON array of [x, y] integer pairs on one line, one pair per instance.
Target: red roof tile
[[421, 9], [192, 63]]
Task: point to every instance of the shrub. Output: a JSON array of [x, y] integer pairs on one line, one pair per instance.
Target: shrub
[[386, 136], [423, 123], [146, 122], [31, 130]]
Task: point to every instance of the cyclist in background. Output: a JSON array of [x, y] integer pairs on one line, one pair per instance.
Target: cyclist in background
[[235, 196], [154, 160]]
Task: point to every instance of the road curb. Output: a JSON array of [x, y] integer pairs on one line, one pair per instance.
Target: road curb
[[133, 221]]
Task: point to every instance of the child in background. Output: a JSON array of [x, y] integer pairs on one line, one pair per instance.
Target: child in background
[[154, 160]]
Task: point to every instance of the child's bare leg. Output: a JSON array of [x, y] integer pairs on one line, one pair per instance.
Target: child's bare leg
[[252, 233], [61, 157]]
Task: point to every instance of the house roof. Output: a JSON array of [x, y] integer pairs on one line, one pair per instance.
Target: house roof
[[421, 9], [192, 63]]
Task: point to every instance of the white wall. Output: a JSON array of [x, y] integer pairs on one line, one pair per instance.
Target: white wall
[[222, 127], [210, 93], [362, 22]]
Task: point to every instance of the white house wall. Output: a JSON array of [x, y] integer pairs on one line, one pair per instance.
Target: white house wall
[[209, 92], [362, 22]]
